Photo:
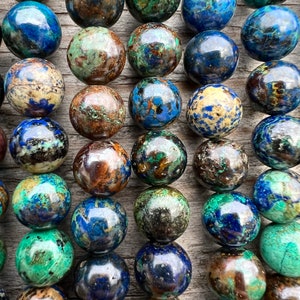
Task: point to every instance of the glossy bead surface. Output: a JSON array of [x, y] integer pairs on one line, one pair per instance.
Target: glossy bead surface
[[220, 165], [3, 295], [32, 20], [260, 3], [39, 145], [154, 49], [99, 225], [231, 219], [206, 15], [154, 103], [87, 13], [102, 168], [44, 257], [3, 254], [41, 201], [4, 198], [270, 32], [34, 87], [102, 277], [236, 274], [162, 214], [1, 87], [280, 248], [274, 87], [273, 144], [163, 271], [46, 293], [210, 57], [3, 144], [158, 157], [97, 112], [96, 55], [214, 111], [153, 10]]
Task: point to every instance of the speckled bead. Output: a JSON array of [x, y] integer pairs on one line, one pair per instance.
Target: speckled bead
[[87, 13], [39, 145], [46, 293], [99, 225], [163, 271], [96, 55], [154, 103], [3, 295], [274, 87], [231, 219], [1, 85], [260, 3], [3, 144], [206, 15], [270, 32], [34, 87], [97, 112], [214, 111], [236, 274], [273, 144], [4, 198], [154, 49], [158, 157], [220, 165], [280, 248], [3, 254], [153, 10], [210, 57], [31, 20], [44, 257], [162, 214], [102, 277], [102, 168]]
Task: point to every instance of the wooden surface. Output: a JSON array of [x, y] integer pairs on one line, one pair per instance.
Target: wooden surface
[[195, 242]]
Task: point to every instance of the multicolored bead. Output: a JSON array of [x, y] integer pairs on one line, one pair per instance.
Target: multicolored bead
[[4, 198], [46, 293], [3, 254], [260, 3]]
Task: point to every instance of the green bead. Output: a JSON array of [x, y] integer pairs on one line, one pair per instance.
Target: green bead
[[2, 254]]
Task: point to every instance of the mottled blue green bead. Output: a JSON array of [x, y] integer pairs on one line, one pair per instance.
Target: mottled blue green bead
[[3, 254]]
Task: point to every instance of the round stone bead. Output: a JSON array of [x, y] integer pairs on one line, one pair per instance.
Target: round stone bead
[[97, 112], [31, 20], [280, 248], [154, 49], [34, 87], [276, 141], [270, 32], [210, 57], [274, 87], [3, 295], [87, 13], [39, 145], [4, 198], [102, 277], [231, 219], [154, 103], [207, 15], [153, 10], [99, 225], [44, 257], [236, 274], [162, 214], [2, 95], [3, 144], [163, 271], [41, 201], [276, 195], [214, 111], [102, 168], [158, 157], [46, 293], [3, 254], [220, 165], [260, 3], [96, 55]]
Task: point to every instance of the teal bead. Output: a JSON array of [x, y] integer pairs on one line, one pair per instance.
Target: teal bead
[[3, 254]]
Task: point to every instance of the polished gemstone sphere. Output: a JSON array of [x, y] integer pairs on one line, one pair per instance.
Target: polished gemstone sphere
[[1, 85], [46, 293], [39, 145], [97, 112], [154, 49], [102, 168], [274, 87], [3, 295], [34, 87], [260, 3], [44, 257], [210, 57], [4, 198], [276, 141], [3, 254], [270, 32], [31, 29], [3, 144], [154, 103], [96, 55], [87, 13], [214, 111]]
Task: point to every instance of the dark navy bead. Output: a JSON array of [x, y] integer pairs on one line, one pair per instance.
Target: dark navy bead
[[3, 295]]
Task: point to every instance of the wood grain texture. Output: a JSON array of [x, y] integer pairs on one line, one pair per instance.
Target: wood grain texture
[[194, 240]]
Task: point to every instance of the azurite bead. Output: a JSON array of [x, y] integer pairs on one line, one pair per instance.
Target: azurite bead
[[270, 32], [260, 3], [4, 198], [32, 20], [47, 293]]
